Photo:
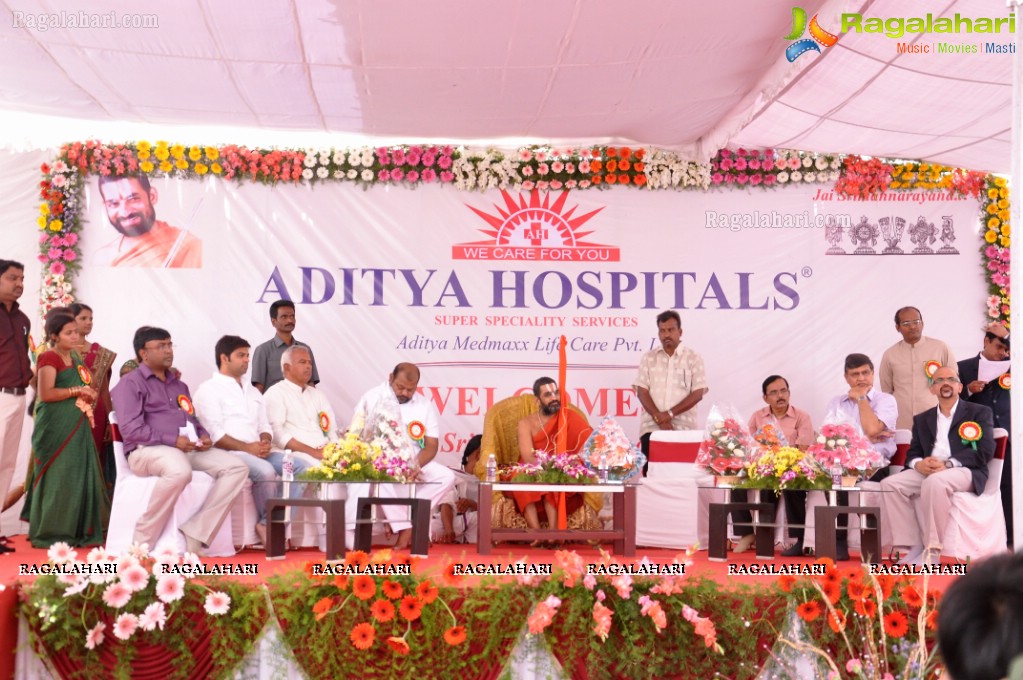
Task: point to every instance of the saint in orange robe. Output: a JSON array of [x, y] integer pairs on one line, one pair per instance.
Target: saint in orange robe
[[579, 431], [153, 248]]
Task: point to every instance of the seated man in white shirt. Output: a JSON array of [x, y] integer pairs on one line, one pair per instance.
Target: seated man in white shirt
[[232, 410], [300, 416], [456, 519], [420, 421]]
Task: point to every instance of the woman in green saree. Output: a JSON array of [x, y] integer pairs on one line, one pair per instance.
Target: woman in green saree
[[65, 495]]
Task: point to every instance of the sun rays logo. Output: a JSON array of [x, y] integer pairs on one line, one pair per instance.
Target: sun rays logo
[[534, 228], [817, 35]]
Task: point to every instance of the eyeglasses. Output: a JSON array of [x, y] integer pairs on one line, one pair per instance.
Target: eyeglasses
[[914, 322], [778, 393], [161, 347], [941, 381]]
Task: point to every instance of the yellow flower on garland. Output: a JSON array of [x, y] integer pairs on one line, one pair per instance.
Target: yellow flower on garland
[[56, 225], [992, 193], [162, 153], [991, 208], [181, 164], [1004, 240], [144, 146], [201, 169], [216, 169], [41, 222], [993, 223], [143, 155], [146, 166], [1005, 230], [999, 181], [1003, 215], [1003, 193], [991, 236], [194, 154], [165, 166], [895, 185], [212, 153], [177, 151]]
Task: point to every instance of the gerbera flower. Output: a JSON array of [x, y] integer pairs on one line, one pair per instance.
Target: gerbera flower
[[449, 574], [932, 620], [809, 611], [363, 636], [785, 582], [392, 589], [399, 645], [125, 626], [217, 603], [866, 608], [832, 591], [455, 635], [94, 637], [322, 608], [887, 584], [341, 581], [382, 610], [836, 619], [427, 592], [911, 596], [314, 570], [357, 557], [411, 607], [856, 590], [895, 624], [854, 574], [364, 587]]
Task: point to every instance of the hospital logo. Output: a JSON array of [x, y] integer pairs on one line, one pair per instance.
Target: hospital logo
[[535, 226], [818, 36]]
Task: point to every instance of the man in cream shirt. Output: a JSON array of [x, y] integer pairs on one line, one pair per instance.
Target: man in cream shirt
[[300, 416], [904, 365]]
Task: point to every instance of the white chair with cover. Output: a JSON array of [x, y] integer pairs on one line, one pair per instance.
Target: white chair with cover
[[671, 511], [131, 498], [976, 525]]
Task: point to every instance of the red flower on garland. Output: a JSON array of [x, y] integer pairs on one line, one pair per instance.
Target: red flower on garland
[[455, 635], [322, 608], [363, 636], [427, 592], [809, 611], [866, 608], [895, 624], [382, 611], [392, 589], [832, 591], [411, 608], [911, 596], [399, 645], [836, 619], [364, 587]]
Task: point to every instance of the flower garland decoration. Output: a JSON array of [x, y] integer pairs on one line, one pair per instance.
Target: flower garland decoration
[[995, 249], [551, 468], [786, 467], [840, 444], [771, 168]]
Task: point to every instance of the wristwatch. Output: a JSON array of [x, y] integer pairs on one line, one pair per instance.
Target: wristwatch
[[948, 463], [861, 398]]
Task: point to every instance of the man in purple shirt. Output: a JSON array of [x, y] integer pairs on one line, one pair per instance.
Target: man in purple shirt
[[163, 438]]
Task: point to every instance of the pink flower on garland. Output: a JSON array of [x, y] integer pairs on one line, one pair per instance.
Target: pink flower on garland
[[447, 176], [70, 255], [94, 638], [602, 615], [543, 615], [57, 268]]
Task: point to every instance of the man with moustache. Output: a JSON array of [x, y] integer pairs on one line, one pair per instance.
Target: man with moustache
[[903, 369], [15, 373], [420, 421], [939, 463], [266, 359], [670, 383], [162, 438], [144, 241], [300, 416]]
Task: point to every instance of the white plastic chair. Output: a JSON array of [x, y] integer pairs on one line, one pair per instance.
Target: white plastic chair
[[976, 525], [671, 511], [131, 499]]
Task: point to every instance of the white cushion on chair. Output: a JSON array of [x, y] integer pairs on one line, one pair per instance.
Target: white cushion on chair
[[131, 499], [977, 523]]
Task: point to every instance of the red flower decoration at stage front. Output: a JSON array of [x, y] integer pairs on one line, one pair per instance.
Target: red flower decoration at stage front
[[363, 636], [392, 589], [427, 592], [411, 608], [364, 587], [322, 608], [895, 624], [399, 645], [866, 608], [832, 591], [911, 596], [455, 635], [809, 611], [836, 619], [382, 611], [356, 557]]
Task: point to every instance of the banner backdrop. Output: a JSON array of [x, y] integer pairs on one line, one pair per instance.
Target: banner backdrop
[[477, 288]]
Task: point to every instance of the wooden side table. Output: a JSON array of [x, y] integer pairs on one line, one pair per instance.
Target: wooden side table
[[276, 524]]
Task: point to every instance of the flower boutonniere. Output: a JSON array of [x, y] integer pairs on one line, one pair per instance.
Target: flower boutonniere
[[1005, 381], [185, 404], [970, 433], [930, 368]]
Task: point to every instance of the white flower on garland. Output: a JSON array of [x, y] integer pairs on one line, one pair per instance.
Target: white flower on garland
[[821, 163], [310, 158], [367, 158], [339, 158], [783, 177], [796, 176], [809, 177], [807, 162], [307, 174], [325, 158], [321, 172], [367, 175], [351, 174]]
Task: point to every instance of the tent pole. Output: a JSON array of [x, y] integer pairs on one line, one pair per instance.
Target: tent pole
[[1015, 265]]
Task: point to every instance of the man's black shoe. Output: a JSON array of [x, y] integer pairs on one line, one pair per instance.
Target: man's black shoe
[[794, 550]]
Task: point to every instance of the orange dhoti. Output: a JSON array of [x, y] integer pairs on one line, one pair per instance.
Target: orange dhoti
[[578, 432]]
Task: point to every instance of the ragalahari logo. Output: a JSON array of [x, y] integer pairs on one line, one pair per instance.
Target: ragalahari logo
[[817, 35], [531, 228]]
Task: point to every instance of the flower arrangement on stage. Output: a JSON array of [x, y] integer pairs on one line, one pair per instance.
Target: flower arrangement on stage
[[770, 167], [841, 444], [353, 460], [728, 448], [770, 437], [551, 468], [610, 441], [784, 468], [869, 626], [864, 178], [137, 598], [997, 237]]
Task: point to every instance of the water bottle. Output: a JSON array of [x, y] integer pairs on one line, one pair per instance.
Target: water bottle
[[288, 467], [836, 474], [491, 468], [602, 469]]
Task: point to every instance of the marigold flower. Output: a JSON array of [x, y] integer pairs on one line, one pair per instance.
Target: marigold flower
[[895, 624], [363, 635], [392, 589], [454, 635], [611, 165], [364, 587], [639, 180], [427, 592], [611, 179], [411, 608], [809, 611], [399, 645]]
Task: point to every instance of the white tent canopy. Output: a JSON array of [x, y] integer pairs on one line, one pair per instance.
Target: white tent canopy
[[688, 76]]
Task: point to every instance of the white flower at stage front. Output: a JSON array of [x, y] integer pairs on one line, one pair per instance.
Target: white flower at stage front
[[61, 553], [94, 637], [217, 603], [324, 158], [155, 616], [352, 173], [796, 176], [809, 177], [821, 163], [125, 626], [170, 587], [310, 158]]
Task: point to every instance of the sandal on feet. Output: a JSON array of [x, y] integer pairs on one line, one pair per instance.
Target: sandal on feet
[[744, 544]]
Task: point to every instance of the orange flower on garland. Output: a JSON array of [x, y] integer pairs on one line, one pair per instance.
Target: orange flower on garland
[[836, 619], [392, 589], [932, 620], [427, 592], [399, 645], [450, 576], [611, 179], [363, 636], [887, 584], [866, 608], [314, 570], [341, 581], [809, 611], [455, 635], [911, 596], [382, 611], [832, 591], [853, 574], [785, 582], [895, 624], [857, 591], [410, 608], [358, 557], [363, 587], [322, 608]]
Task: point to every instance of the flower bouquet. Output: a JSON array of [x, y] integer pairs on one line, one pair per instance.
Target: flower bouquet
[[610, 441], [786, 467], [727, 448], [353, 460], [841, 445], [770, 436], [551, 468]]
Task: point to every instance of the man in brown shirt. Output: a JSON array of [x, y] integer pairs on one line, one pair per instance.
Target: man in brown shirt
[[15, 372]]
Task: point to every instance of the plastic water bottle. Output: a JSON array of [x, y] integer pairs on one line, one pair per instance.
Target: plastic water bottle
[[836, 475], [288, 467], [602, 469], [491, 468]]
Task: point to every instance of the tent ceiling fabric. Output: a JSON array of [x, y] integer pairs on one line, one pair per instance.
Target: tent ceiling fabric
[[690, 76]]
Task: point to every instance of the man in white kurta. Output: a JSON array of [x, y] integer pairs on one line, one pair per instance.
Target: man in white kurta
[[903, 372], [300, 415], [421, 422]]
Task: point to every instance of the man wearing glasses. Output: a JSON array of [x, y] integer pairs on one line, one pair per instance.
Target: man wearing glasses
[[907, 365], [952, 444], [162, 438]]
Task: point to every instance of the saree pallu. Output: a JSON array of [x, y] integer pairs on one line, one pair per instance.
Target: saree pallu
[[100, 362], [65, 497]]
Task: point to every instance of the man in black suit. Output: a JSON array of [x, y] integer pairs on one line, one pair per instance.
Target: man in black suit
[[952, 444], [986, 379]]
